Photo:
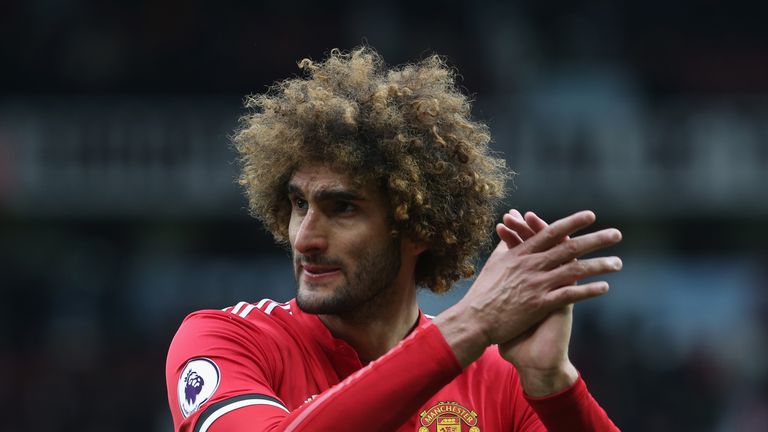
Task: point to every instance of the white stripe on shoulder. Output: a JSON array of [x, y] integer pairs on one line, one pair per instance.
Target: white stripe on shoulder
[[242, 309], [247, 310], [233, 406], [236, 310], [429, 316], [272, 307]]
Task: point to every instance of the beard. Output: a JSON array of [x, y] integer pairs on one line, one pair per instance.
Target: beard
[[365, 282]]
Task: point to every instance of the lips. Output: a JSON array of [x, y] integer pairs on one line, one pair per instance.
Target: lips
[[318, 272]]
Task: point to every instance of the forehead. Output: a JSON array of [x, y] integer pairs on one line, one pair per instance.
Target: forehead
[[316, 178], [319, 174]]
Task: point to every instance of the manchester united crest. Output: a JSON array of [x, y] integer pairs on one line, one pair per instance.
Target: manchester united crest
[[448, 417]]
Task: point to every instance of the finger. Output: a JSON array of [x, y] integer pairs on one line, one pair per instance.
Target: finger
[[575, 270], [581, 245], [511, 238], [517, 216], [515, 213], [518, 225], [535, 222], [554, 234], [575, 293]]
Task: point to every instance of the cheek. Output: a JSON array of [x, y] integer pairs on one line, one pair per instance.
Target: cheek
[[349, 250], [293, 228], [361, 243]]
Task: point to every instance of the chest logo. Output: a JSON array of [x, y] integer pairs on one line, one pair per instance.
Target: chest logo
[[448, 417]]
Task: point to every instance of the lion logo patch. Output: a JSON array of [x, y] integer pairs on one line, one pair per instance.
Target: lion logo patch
[[197, 383]]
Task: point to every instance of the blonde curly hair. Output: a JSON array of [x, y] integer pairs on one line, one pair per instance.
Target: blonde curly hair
[[407, 128]]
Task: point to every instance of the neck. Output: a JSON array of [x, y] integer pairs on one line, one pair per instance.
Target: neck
[[380, 324]]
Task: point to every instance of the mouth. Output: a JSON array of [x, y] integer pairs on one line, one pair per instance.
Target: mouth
[[314, 272]]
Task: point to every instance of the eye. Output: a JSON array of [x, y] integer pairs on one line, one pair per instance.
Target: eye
[[345, 207], [300, 203]]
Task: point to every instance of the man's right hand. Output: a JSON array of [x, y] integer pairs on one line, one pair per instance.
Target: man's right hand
[[520, 286]]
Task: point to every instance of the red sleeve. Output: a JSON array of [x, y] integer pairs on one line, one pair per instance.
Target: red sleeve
[[217, 359], [400, 380], [573, 410]]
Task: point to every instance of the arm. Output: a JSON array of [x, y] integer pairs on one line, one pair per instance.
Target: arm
[[246, 399], [573, 409]]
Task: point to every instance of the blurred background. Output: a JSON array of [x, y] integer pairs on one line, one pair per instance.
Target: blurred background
[[119, 214]]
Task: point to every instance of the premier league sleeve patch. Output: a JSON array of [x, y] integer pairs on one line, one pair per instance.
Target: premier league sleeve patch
[[197, 383]]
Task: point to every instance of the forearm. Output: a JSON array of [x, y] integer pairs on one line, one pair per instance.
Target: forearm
[[401, 380], [571, 410], [462, 334]]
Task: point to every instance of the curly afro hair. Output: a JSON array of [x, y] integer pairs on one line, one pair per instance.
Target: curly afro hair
[[407, 128]]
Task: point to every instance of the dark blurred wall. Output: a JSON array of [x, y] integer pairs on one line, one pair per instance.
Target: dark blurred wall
[[119, 214]]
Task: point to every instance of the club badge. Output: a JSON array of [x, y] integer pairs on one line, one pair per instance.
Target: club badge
[[448, 417]]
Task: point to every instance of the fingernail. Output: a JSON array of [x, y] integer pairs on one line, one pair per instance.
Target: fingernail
[[616, 263]]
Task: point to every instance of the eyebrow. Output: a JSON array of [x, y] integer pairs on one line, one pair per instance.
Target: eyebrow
[[328, 194]]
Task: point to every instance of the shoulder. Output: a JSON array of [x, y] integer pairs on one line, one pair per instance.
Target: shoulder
[[244, 327], [264, 309], [261, 316], [218, 354]]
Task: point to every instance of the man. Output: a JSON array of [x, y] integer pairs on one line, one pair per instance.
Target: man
[[378, 181]]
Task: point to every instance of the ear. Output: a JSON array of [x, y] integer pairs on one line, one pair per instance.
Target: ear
[[414, 247]]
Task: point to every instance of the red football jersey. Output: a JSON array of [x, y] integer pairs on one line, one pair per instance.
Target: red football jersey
[[270, 366]]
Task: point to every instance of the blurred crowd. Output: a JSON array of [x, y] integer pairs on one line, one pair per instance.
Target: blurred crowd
[[119, 214]]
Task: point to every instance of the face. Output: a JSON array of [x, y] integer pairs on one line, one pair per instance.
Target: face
[[344, 256]]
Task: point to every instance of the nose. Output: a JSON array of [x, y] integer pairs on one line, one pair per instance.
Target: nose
[[311, 236]]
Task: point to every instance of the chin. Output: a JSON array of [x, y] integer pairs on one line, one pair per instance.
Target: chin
[[315, 301], [312, 300]]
